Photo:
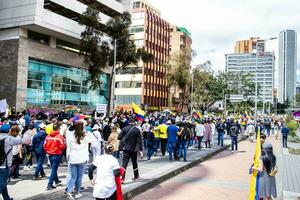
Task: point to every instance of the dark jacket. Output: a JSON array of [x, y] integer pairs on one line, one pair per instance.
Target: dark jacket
[[38, 140], [234, 129], [133, 141]]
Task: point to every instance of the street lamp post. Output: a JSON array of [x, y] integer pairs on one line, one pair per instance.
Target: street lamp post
[[113, 84], [256, 63]]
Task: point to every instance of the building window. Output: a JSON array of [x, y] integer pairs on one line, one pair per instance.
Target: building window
[[136, 29], [128, 99], [128, 84], [38, 37], [136, 4], [61, 44], [50, 84]]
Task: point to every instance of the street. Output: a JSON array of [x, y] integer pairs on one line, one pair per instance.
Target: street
[[224, 176]]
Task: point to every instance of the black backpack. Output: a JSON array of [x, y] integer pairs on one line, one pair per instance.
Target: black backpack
[[3, 154]]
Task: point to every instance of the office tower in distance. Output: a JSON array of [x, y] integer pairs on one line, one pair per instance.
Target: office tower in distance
[[287, 66], [146, 83]]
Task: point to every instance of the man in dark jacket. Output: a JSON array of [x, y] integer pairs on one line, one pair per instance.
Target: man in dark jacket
[[131, 143], [38, 148], [234, 131]]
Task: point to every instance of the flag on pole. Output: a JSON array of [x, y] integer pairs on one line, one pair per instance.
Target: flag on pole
[[253, 195], [139, 113]]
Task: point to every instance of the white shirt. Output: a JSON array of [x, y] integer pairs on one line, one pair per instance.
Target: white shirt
[[146, 127], [199, 130], [96, 139], [79, 153], [105, 184]]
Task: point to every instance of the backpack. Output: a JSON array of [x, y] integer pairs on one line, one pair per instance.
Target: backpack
[[3, 154], [234, 130]]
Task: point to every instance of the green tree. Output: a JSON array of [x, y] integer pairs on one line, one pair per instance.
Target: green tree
[[97, 50], [178, 73], [297, 100]]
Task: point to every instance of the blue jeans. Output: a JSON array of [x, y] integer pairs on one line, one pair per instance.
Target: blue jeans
[[4, 175], [172, 150], [221, 139], [183, 149], [77, 171], [39, 168], [157, 142], [54, 162], [234, 142], [150, 150]]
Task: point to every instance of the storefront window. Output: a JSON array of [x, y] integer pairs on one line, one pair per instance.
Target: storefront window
[[59, 85]]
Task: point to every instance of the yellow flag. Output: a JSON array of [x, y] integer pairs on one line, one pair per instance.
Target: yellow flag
[[256, 163]]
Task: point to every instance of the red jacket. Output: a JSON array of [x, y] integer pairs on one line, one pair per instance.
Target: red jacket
[[54, 143]]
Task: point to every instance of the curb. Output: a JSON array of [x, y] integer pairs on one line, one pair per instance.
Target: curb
[[136, 191], [146, 186]]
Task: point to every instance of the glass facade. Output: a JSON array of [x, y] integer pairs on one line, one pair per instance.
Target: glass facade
[[52, 84]]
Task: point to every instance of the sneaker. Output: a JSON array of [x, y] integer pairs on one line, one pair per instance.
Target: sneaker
[[26, 168], [50, 187], [70, 196], [77, 195], [43, 175], [36, 178], [136, 178], [58, 183], [66, 191], [232, 151]]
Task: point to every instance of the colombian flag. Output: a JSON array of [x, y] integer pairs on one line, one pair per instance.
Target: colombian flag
[[253, 195], [139, 113]]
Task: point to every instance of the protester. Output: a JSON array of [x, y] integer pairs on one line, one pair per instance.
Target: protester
[[145, 130], [150, 144], [8, 139], [285, 132], [267, 183], [183, 138], [234, 132], [207, 134], [108, 172], [131, 144], [199, 129], [172, 132], [27, 139], [250, 131], [17, 154], [79, 155], [38, 148], [97, 141], [53, 146], [220, 127], [114, 141], [162, 128]]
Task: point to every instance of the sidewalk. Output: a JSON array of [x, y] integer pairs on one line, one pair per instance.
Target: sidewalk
[[289, 173], [152, 172]]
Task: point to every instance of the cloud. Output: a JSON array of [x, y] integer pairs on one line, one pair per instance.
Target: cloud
[[218, 24]]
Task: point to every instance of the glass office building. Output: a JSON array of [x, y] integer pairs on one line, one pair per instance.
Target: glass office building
[[53, 84]]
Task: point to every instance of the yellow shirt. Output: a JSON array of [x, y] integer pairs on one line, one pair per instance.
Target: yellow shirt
[[163, 131], [156, 133]]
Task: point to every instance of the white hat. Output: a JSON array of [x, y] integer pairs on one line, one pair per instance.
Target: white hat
[[96, 127], [42, 126]]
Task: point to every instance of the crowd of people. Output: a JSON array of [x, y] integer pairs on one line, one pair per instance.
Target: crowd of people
[[88, 143]]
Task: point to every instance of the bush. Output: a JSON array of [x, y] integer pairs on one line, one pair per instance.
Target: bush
[[293, 126]]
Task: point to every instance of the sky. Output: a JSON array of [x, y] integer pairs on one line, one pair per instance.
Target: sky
[[216, 25]]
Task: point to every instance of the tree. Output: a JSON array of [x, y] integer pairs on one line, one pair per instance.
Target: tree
[[208, 86], [97, 50], [178, 73], [297, 100]]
